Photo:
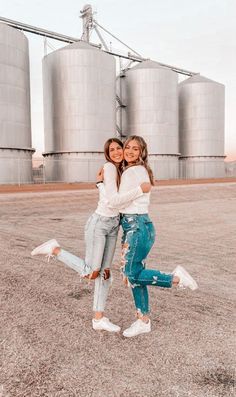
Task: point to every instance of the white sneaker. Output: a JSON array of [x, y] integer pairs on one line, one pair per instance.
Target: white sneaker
[[105, 324], [185, 279], [138, 327], [46, 248]]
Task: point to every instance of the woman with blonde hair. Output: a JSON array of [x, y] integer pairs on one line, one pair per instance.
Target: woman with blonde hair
[[139, 236]]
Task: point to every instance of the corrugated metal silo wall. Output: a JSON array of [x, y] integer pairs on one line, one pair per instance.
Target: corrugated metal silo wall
[[15, 123], [79, 111], [201, 118], [151, 96]]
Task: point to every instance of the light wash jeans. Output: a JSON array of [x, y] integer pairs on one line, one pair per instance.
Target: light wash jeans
[[100, 238], [137, 241]]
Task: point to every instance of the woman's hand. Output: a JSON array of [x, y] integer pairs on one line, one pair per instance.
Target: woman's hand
[[100, 175], [146, 187]]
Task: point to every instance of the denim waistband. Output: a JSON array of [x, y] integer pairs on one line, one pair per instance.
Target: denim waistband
[[133, 215], [106, 217]]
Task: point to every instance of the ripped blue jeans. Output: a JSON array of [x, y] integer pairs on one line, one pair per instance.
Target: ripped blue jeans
[[100, 237], [137, 240]]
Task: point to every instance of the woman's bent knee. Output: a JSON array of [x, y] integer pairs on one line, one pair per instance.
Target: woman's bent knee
[[106, 274], [132, 280]]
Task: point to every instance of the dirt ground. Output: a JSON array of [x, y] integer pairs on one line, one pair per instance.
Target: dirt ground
[[83, 185], [47, 345]]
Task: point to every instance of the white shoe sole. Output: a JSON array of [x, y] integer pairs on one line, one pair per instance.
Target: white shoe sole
[[144, 331], [139, 333], [192, 283], [98, 327], [37, 250], [104, 329]]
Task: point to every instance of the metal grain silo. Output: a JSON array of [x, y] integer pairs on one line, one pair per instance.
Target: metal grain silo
[[15, 123], [79, 110], [151, 97], [201, 127]]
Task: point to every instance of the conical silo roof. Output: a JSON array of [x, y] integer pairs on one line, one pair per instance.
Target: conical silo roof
[[197, 78], [148, 65], [78, 45]]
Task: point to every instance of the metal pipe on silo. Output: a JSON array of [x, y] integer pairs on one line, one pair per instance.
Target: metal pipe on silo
[[201, 127], [79, 111], [15, 123], [151, 99]]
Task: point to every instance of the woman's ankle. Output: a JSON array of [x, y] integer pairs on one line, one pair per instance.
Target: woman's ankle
[[176, 280], [56, 251], [143, 317], [98, 315]]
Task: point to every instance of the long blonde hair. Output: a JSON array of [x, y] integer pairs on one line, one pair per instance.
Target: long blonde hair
[[107, 156], [143, 158]]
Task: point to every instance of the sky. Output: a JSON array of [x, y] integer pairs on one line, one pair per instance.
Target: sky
[[199, 36]]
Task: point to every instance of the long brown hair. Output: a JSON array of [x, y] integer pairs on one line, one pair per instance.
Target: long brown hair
[[143, 159], [107, 156]]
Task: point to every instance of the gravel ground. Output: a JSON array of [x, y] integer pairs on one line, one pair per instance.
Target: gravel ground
[[47, 345], [40, 187]]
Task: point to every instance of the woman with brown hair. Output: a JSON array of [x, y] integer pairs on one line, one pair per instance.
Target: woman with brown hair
[[101, 232], [139, 236]]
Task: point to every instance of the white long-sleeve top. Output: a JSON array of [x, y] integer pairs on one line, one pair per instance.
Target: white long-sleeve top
[[131, 178], [111, 202]]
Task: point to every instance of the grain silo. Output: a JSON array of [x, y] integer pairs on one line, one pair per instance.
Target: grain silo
[[150, 93], [79, 111], [201, 128], [15, 124]]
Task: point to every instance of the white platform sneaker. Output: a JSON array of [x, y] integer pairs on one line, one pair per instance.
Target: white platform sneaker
[[186, 281], [105, 324], [138, 327], [46, 248]]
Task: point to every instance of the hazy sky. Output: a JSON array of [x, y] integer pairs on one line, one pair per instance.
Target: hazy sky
[[196, 35]]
